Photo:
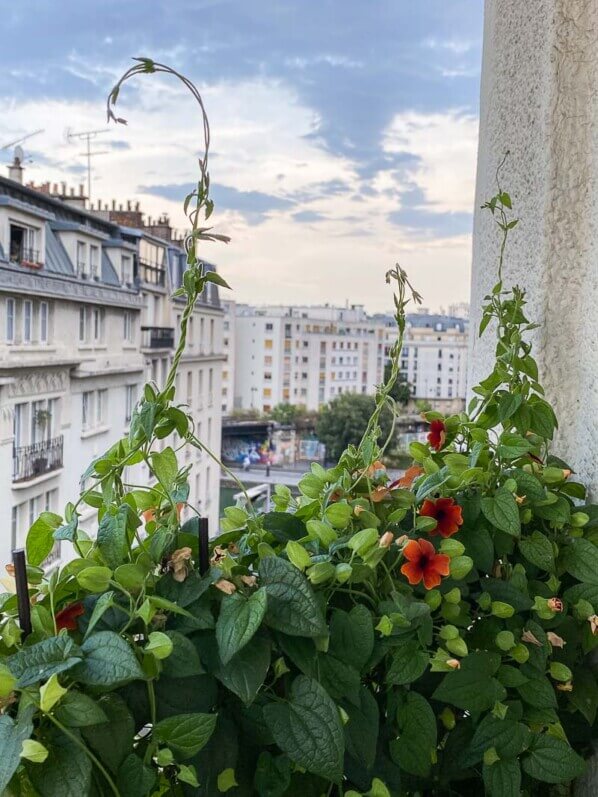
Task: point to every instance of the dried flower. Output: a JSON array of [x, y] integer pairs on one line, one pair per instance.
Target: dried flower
[[519, 499], [379, 494], [386, 539], [411, 474], [454, 664], [527, 636], [179, 563], [400, 541], [358, 510], [10, 569], [375, 469], [249, 581], [593, 621], [225, 586], [555, 640], [567, 687], [555, 604]]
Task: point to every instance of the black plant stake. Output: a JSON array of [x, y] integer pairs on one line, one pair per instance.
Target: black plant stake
[[204, 552], [18, 560]]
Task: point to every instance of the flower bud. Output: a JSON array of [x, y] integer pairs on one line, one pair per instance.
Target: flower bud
[[520, 653], [560, 672], [447, 715], [452, 547], [448, 632], [555, 604], [321, 572], [453, 596], [433, 598], [460, 567], [343, 572], [386, 539], [485, 601], [490, 756], [502, 609], [505, 640], [454, 664], [457, 646], [579, 519]]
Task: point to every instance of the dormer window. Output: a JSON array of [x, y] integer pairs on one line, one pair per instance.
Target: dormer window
[[127, 269], [82, 270], [94, 261], [24, 245]]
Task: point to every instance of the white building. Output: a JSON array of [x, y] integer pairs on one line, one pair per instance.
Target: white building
[[228, 348], [85, 319], [434, 358], [301, 355]]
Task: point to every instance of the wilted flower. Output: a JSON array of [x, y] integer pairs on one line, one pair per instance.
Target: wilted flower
[[67, 617], [568, 687], [225, 586], [437, 435], [218, 554], [555, 604], [379, 494], [400, 541], [454, 664], [10, 569], [447, 514], [555, 640], [179, 563], [407, 479], [386, 539], [593, 621], [249, 581], [424, 564], [527, 636], [358, 510], [519, 499], [375, 469]]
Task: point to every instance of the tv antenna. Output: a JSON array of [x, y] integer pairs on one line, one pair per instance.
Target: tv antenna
[[20, 140], [87, 136]]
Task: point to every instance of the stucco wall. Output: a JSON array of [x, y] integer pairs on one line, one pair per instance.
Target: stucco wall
[[539, 100]]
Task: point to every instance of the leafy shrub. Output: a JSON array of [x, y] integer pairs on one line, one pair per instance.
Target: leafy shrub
[[424, 636]]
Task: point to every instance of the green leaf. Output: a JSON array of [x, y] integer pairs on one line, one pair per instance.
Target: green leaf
[[103, 603], [245, 673], [112, 537], [580, 559], [50, 693], [213, 276], [508, 404], [76, 710], [352, 635], [361, 731], [159, 645], [292, 607], [503, 778], [134, 779], [184, 660], [38, 662], [238, 621], [478, 544], [472, 688], [186, 734], [552, 760], [502, 512], [12, 736], [284, 526], [584, 696], [508, 737], [111, 740], [165, 467], [412, 751], [543, 420], [272, 775], [40, 537], [538, 692], [34, 751], [66, 772], [109, 661], [538, 550], [409, 662], [95, 578], [308, 729], [512, 446]]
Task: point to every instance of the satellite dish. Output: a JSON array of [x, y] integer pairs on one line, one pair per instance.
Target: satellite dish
[[19, 154]]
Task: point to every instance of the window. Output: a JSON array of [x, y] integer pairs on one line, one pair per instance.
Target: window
[[129, 401], [94, 260], [98, 324], [34, 509], [201, 334], [27, 309], [127, 271], [23, 244], [189, 387], [82, 325], [43, 322], [81, 259], [267, 392], [269, 327], [101, 407], [10, 320], [14, 525], [211, 334], [268, 343], [19, 419], [86, 409], [128, 327]]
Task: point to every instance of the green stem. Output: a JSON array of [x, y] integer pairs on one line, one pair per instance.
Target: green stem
[[151, 695]]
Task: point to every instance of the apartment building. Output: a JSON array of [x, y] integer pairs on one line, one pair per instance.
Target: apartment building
[[433, 358], [85, 318], [229, 350], [303, 355]]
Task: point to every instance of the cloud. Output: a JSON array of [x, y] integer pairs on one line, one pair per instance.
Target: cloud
[[445, 146]]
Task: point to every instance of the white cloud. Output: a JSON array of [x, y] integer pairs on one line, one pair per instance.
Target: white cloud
[[445, 145], [456, 46]]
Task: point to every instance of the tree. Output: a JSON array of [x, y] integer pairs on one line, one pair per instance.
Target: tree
[[285, 413], [343, 421], [401, 391]]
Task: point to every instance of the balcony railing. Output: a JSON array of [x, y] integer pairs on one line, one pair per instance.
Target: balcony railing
[[151, 273], [36, 459], [26, 256], [157, 337]]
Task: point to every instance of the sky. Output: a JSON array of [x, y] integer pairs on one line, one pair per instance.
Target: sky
[[344, 132]]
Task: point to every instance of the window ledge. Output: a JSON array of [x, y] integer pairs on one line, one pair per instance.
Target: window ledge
[[44, 477], [97, 430], [35, 347]]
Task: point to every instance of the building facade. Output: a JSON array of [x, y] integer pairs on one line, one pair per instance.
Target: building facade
[[301, 355], [85, 320]]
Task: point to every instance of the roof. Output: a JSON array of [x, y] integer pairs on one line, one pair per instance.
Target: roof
[[437, 322], [109, 275], [57, 260]]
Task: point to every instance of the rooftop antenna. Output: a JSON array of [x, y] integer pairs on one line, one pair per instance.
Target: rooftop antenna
[[87, 136], [20, 140]]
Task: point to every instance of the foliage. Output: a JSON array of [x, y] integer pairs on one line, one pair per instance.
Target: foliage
[[343, 421], [286, 414], [423, 636], [401, 389]]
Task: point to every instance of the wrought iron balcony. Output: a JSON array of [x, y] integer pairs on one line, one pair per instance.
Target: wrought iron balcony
[[26, 256], [157, 337], [151, 273], [36, 459]]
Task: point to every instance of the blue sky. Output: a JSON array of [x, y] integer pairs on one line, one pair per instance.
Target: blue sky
[[344, 132]]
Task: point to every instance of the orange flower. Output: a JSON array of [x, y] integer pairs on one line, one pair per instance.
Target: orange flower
[[447, 514], [407, 480], [437, 435], [375, 469], [379, 494], [67, 617], [423, 563]]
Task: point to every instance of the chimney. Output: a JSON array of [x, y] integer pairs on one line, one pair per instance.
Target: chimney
[[81, 191], [15, 170]]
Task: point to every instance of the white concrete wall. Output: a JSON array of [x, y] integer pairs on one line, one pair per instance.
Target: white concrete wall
[[539, 101]]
